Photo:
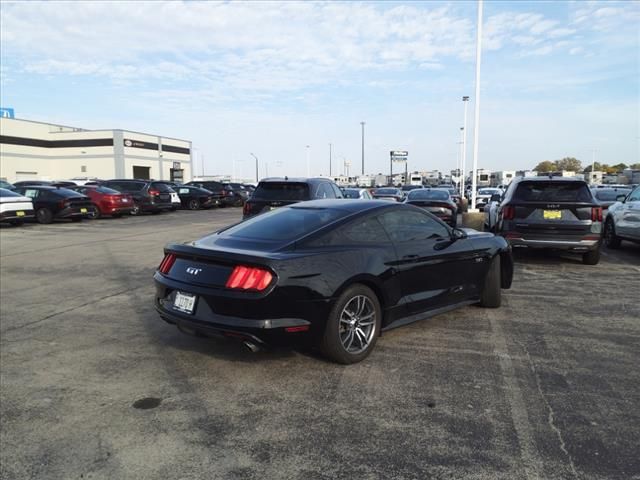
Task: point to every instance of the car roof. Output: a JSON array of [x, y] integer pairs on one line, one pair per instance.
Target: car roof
[[296, 179], [546, 179]]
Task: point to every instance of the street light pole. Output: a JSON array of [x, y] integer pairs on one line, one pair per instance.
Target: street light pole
[[593, 165], [476, 129], [256, 165], [465, 100], [362, 124]]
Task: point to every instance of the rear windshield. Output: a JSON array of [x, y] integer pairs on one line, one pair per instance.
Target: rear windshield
[[552, 192], [284, 224], [386, 191], [65, 192], [609, 195], [281, 191], [8, 193], [107, 191], [351, 193], [162, 187], [126, 186], [428, 195]]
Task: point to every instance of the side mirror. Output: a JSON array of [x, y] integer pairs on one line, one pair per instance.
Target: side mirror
[[496, 197], [458, 234], [620, 198]]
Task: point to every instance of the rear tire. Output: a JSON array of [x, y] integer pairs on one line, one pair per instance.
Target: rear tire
[[194, 204], [611, 240], [44, 215], [353, 326], [135, 210], [96, 214], [592, 257], [491, 292]]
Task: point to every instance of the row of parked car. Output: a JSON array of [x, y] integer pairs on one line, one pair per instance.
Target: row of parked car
[[46, 201]]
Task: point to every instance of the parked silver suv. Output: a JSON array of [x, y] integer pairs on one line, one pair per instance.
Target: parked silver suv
[[623, 220]]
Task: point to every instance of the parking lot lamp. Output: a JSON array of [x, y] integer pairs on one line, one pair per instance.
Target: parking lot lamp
[[256, 165], [476, 125], [465, 101]]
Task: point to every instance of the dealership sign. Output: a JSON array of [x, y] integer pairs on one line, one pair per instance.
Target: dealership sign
[[399, 155], [7, 113]]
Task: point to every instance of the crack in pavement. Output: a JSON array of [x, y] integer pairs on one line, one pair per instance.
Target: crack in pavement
[[550, 411], [18, 327]]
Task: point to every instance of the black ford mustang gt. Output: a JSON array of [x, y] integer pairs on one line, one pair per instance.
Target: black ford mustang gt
[[329, 272]]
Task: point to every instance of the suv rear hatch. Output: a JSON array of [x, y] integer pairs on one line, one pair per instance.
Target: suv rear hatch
[[271, 195], [160, 193], [551, 210]]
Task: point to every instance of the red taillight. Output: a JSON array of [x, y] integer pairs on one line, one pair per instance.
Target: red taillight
[[167, 263], [249, 278], [508, 213], [245, 209], [596, 214], [153, 192]]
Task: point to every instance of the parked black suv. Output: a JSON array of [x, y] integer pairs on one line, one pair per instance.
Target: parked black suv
[[51, 203], [148, 195], [224, 196], [552, 212], [276, 192]]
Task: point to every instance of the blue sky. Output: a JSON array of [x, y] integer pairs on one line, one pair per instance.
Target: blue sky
[[558, 79]]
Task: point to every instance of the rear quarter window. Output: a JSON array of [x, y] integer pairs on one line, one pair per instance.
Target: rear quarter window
[[553, 192]]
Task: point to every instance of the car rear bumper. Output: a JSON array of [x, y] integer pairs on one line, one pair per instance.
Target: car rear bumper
[[111, 210], [156, 207], [13, 215], [263, 331], [75, 212], [583, 244]]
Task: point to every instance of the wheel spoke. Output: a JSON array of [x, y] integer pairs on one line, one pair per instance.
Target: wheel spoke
[[366, 324], [350, 337]]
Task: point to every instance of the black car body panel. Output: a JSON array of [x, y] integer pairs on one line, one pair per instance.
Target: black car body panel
[[148, 196], [272, 193], [315, 260], [437, 202], [224, 197], [191, 196]]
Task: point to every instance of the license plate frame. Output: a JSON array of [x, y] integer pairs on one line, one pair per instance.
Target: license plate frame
[[552, 214], [185, 302]]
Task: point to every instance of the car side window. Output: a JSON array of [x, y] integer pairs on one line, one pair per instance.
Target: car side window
[[183, 191], [31, 192], [324, 191], [408, 225], [358, 232], [336, 190]]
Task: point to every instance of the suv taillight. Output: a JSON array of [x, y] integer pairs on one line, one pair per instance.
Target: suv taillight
[[596, 214], [508, 213], [167, 263], [154, 192], [249, 278]]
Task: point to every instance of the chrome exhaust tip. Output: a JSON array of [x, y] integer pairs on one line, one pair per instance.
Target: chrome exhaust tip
[[252, 347]]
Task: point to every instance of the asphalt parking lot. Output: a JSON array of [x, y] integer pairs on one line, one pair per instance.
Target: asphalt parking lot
[[95, 385]]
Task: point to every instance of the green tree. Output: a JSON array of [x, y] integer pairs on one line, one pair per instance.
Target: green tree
[[619, 167], [545, 166], [635, 166], [569, 163]]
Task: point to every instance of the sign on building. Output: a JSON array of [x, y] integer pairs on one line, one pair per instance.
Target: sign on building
[[7, 112]]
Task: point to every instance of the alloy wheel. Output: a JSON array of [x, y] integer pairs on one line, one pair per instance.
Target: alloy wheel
[[357, 324]]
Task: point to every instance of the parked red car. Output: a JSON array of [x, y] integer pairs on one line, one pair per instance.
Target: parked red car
[[107, 200]]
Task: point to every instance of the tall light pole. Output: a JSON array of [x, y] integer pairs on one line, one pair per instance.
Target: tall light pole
[[308, 162], [362, 124], [593, 165], [465, 101], [329, 159], [476, 128], [256, 165]]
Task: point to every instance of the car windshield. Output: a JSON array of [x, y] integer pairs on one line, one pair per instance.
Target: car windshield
[[162, 187], [126, 186], [610, 195], [284, 223], [386, 191], [428, 195], [351, 193], [281, 191], [553, 191]]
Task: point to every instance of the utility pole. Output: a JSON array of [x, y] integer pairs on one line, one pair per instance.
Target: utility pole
[[362, 124], [476, 130], [256, 166], [465, 100], [329, 159]]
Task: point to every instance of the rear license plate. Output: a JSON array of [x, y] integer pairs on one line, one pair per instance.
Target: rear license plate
[[20, 214], [83, 210], [184, 302], [552, 214]]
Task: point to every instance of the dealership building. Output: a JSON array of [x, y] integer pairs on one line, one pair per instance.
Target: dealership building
[[35, 150]]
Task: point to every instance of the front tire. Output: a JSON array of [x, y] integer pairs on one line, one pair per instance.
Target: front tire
[[592, 257], [96, 214], [44, 215], [492, 293], [353, 326], [135, 210], [611, 240], [194, 204]]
